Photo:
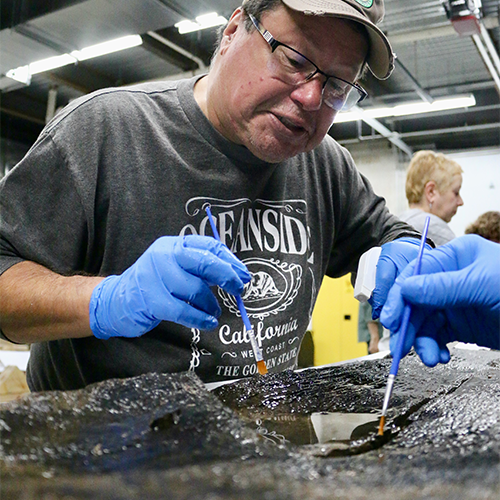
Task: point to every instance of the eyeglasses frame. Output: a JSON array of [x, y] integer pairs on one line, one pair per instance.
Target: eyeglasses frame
[[274, 44]]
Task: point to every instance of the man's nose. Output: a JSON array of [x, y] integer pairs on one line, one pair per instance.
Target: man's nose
[[309, 94]]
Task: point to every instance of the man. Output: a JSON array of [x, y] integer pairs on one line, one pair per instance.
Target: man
[[116, 185]]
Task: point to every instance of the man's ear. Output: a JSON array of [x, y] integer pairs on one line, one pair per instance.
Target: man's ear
[[235, 22]]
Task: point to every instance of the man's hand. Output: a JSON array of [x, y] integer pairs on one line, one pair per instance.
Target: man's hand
[[395, 256], [170, 282], [456, 297]]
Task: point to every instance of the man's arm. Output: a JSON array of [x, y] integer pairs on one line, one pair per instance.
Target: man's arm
[[37, 304], [170, 282]]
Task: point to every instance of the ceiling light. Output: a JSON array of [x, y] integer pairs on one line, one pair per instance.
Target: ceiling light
[[125, 42], [412, 108], [50, 63], [202, 22], [23, 73]]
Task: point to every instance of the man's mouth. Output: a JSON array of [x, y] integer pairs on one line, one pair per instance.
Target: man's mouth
[[291, 124]]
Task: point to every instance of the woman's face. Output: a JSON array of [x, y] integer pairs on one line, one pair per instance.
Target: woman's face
[[445, 203]]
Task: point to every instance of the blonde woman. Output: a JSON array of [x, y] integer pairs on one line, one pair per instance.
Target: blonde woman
[[433, 183]]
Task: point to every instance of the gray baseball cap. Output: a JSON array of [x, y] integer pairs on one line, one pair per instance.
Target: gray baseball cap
[[367, 12]]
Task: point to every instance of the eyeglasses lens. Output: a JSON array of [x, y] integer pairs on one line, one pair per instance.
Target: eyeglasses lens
[[293, 68]]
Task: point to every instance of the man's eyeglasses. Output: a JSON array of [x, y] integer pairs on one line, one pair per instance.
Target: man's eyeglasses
[[291, 67]]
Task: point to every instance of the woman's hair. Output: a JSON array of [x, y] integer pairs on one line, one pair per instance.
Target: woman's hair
[[486, 225], [428, 166]]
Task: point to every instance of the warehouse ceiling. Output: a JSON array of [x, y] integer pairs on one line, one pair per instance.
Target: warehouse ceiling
[[433, 61]]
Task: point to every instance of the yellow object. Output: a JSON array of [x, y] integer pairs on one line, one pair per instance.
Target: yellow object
[[335, 323]]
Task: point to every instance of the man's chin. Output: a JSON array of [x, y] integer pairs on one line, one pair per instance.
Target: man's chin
[[277, 152]]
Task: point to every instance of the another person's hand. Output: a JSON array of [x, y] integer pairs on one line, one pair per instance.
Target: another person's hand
[[373, 327], [394, 257], [373, 347], [456, 297], [170, 281]]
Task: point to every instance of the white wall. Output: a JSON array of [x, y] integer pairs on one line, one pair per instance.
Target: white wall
[[384, 166], [480, 187]]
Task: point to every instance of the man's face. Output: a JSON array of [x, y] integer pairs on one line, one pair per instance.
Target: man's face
[[249, 105], [446, 203]]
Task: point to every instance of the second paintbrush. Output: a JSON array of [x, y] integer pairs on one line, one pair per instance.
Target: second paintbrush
[[398, 353]]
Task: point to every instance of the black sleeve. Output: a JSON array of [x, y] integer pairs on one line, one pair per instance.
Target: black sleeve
[[363, 220]]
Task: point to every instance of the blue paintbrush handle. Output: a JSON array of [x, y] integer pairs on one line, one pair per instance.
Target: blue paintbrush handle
[[401, 340], [398, 354], [243, 312]]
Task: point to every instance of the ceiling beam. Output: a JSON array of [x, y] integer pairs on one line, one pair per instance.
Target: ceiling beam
[[393, 137], [425, 133], [451, 130], [66, 82], [24, 116], [167, 53], [408, 37], [15, 12], [487, 61], [424, 95], [182, 51]]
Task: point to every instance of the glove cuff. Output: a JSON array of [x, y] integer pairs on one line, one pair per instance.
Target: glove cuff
[[97, 324], [415, 241], [110, 314]]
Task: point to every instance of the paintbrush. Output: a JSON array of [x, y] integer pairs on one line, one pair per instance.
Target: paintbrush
[[261, 364], [398, 353]]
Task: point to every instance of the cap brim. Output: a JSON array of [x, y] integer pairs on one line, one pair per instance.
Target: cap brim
[[381, 57]]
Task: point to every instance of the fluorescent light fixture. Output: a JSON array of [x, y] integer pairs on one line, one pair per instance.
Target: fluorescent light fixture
[[125, 42], [23, 73], [412, 108], [50, 63], [202, 22]]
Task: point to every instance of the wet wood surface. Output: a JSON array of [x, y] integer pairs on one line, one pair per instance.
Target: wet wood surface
[[165, 436]]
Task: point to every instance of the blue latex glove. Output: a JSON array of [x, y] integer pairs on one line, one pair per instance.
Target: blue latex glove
[[170, 281], [456, 297], [394, 257]]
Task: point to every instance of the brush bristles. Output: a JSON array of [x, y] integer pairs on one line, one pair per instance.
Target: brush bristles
[[381, 426], [261, 367]]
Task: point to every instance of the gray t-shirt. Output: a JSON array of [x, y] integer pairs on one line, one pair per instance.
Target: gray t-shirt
[[439, 231], [121, 167]]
